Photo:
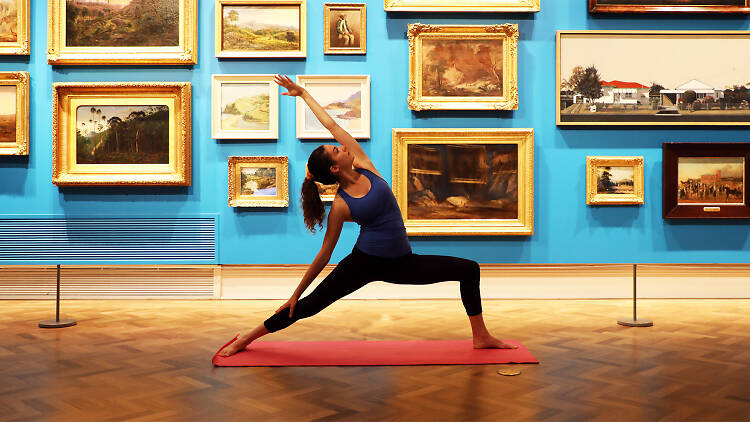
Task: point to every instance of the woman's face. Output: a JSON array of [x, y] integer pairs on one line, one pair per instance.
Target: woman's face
[[340, 156]]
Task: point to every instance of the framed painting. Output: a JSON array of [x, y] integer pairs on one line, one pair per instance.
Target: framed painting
[[705, 180], [345, 28], [261, 28], [346, 98], [651, 78], [14, 27], [14, 113], [244, 107], [258, 181], [669, 6], [327, 192], [461, 5], [121, 133], [122, 32], [463, 67], [465, 181], [614, 180]]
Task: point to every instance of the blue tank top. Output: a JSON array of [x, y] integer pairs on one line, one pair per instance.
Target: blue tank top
[[382, 232]]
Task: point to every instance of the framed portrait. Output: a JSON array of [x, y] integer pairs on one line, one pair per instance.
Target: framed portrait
[[463, 67], [461, 5], [122, 32], [649, 78], [346, 98], [669, 6], [244, 107], [465, 181], [258, 181], [14, 113], [121, 133], [705, 180], [261, 28], [614, 180], [14, 27], [327, 192], [345, 28]]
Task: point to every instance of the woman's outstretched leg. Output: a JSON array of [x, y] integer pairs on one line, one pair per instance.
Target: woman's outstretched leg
[[243, 340]]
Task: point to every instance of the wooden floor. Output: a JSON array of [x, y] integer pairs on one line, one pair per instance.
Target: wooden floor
[[150, 361]]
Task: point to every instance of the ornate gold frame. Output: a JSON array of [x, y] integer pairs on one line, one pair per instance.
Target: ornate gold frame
[[236, 199], [508, 33], [21, 81], [67, 96], [327, 49], [60, 54], [21, 46], [594, 198], [524, 138], [218, 24], [461, 5]]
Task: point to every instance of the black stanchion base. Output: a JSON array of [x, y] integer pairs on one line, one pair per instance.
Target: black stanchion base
[[51, 323], [630, 322]]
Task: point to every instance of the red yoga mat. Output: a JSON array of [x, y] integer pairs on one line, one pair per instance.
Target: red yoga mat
[[364, 353]]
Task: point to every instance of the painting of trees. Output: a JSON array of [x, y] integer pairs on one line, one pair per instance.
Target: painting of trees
[[462, 68]]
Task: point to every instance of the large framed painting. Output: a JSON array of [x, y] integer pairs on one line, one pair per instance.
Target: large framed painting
[[258, 181], [465, 181], [122, 32], [652, 78], [14, 27], [345, 28], [346, 98], [261, 28], [669, 6], [463, 67], [14, 113], [461, 5], [121, 133], [244, 107], [705, 180], [614, 180]]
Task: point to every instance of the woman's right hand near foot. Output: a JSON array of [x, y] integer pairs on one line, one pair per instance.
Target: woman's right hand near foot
[[291, 303]]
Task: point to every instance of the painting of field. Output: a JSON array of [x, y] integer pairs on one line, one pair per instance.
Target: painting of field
[[462, 68], [7, 113], [615, 180], [245, 106], [122, 23], [711, 180], [258, 181], [8, 21], [128, 134], [342, 101], [261, 28], [344, 30]]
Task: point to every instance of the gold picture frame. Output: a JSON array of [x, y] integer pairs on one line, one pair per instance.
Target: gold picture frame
[[495, 165], [329, 27], [60, 53], [602, 190], [461, 5], [20, 46], [279, 188], [20, 124], [222, 52], [100, 151], [428, 97]]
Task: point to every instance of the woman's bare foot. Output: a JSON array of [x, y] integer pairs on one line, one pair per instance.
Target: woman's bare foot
[[490, 342], [239, 344]]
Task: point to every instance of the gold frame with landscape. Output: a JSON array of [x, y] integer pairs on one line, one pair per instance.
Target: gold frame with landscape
[[21, 144], [595, 198], [21, 46], [237, 199]]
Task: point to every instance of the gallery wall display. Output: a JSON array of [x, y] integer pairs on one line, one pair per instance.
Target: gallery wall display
[[465, 181], [244, 107], [652, 78], [705, 180], [345, 28], [461, 5], [143, 32], [121, 133], [463, 67], [14, 113], [258, 181], [346, 98], [669, 6], [260, 28], [14, 27], [614, 180]]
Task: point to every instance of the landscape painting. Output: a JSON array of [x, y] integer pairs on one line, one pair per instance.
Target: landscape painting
[[711, 180], [245, 106], [261, 28], [8, 113], [258, 181], [615, 180], [345, 98], [8, 20], [462, 68]]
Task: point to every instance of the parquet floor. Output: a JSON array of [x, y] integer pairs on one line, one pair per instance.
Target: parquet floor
[[150, 361]]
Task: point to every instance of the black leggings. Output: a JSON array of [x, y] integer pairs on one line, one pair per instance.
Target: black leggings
[[359, 268]]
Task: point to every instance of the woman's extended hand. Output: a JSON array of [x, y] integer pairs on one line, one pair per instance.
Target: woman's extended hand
[[293, 90], [291, 303]]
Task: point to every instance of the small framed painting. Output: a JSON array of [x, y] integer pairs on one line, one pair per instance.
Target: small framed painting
[[261, 28], [669, 6], [327, 192], [614, 180], [121, 133], [258, 181], [345, 98], [14, 27], [461, 6], [244, 107], [705, 180], [345, 28], [14, 113]]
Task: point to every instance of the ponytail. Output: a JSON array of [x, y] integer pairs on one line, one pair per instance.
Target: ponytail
[[318, 169]]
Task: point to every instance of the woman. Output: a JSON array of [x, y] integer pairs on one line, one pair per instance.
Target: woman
[[382, 251]]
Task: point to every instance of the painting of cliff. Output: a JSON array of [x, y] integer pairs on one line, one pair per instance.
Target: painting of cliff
[[462, 68], [342, 101]]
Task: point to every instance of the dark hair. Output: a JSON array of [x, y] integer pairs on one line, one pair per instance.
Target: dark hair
[[319, 165]]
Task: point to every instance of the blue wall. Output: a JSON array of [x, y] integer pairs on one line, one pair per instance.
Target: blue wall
[[566, 230]]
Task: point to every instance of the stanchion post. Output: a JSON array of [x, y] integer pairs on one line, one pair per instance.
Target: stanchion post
[[57, 323], [635, 322]]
